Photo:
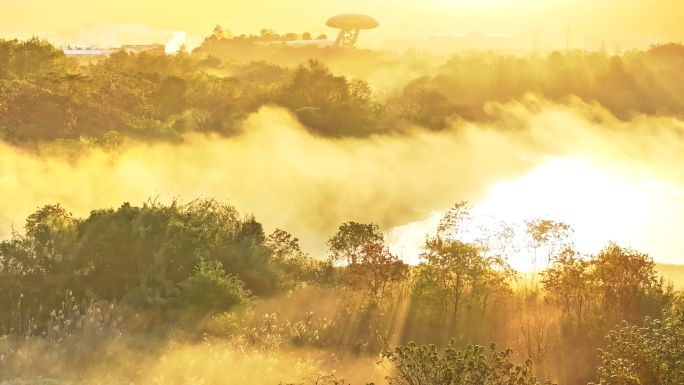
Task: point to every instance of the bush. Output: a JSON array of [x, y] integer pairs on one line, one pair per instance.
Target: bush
[[210, 288], [224, 325], [416, 365], [652, 354]]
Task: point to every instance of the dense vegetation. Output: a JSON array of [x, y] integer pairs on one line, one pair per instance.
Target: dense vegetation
[[46, 96], [199, 273], [190, 293]]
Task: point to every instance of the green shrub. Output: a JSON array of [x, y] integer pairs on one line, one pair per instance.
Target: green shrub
[[651, 354], [417, 365], [210, 288], [224, 324]]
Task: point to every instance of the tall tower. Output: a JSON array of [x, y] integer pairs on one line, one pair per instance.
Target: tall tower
[[350, 25]]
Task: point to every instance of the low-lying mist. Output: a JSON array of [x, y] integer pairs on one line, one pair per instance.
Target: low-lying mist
[[309, 185]]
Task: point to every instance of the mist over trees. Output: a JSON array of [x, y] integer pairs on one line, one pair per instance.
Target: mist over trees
[[46, 96], [182, 289]]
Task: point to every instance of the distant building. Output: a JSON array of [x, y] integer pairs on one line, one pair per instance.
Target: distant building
[[449, 43], [149, 48], [593, 43], [116, 35], [86, 52], [92, 52]]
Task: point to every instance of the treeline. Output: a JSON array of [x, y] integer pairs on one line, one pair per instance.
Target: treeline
[[637, 82], [160, 97], [47, 97], [147, 257], [227, 38], [204, 270]]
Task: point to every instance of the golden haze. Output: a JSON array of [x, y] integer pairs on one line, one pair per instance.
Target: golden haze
[[400, 18]]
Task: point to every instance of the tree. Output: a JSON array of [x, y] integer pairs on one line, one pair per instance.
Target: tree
[[455, 223], [269, 35], [306, 36], [290, 36], [52, 232], [652, 354], [603, 50], [569, 284], [172, 94], [7, 48], [39, 264], [452, 272], [350, 239], [545, 238], [618, 50], [295, 266], [328, 103], [427, 107], [623, 278], [216, 35], [596, 291], [376, 273]]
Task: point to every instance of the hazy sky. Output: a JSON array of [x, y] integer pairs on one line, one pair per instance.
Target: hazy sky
[[399, 18]]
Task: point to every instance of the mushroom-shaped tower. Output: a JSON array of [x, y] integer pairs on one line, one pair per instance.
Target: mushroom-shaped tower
[[350, 24]]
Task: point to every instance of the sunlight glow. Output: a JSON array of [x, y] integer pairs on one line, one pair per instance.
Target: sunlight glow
[[600, 206]]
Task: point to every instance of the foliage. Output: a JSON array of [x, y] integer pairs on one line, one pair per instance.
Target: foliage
[[209, 288], [454, 275], [46, 96], [455, 221], [351, 238], [135, 254], [172, 271], [624, 276], [295, 266], [376, 273], [225, 324], [332, 105], [651, 354], [569, 284], [546, 236], [619, 281], [426, 106], [415, 365]]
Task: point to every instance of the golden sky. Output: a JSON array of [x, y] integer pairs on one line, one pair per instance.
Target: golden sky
[[399, 18]]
